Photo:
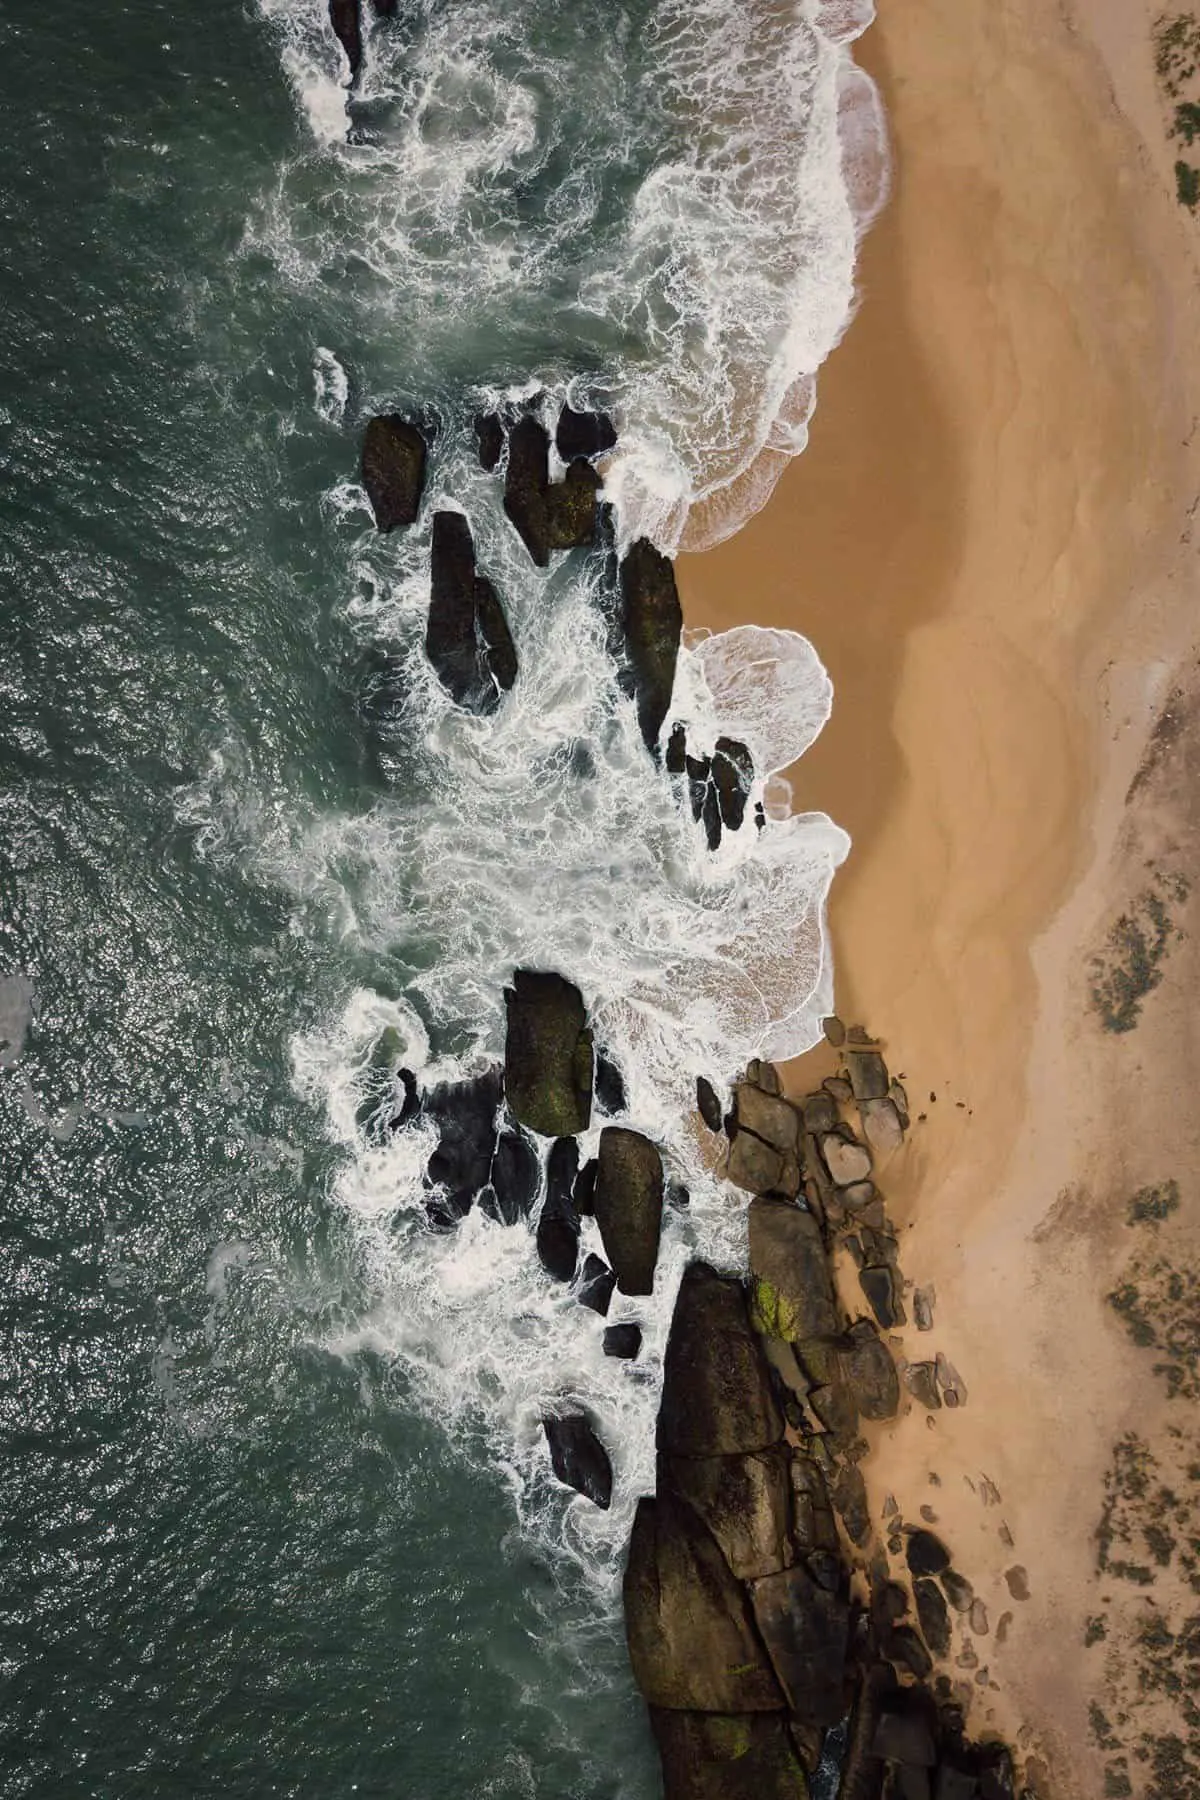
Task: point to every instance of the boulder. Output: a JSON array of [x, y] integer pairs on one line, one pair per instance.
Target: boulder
[[347, 28], [609, 1089], [579, 1459], [933, 1615], [385, 8], [881, 1125], [708, 1104], [926, 1554], [745, 1501], [651, 620], [629, 1200], [924, 1300], [465, 1115], [758, 1168], [764, 1075], [835, 1031], [515, 1175], [692, 1641], [489, 432], [622, 1340], [834, 1406], [850, 1499], [921, 1381], [879, 1286], [557, 517], [806, 1630], [677, 1194], [957, 1590], [585, 1188], [558, 1222], [732, 778], [393, 451], [858, 1196], [905, 1733], [583, 434], [723, 1756], [870, 1372], [819, 1113], [710, 813], [792, 1292], [813, 1523], [467, 639], [838, 1088], [548, 1054], [847, 1160], [571, 507], [596, 1284], [716, 1397], [676, 753], [902, 1645], [868, 1074]]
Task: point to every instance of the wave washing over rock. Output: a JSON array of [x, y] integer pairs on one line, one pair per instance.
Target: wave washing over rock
[[656, 210]]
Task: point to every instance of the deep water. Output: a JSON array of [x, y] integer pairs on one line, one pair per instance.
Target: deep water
[[276, 1519]]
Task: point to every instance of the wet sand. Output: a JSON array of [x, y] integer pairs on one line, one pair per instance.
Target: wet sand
[[988, 540]]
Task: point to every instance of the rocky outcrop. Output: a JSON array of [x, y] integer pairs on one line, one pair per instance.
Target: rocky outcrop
[[467, 639], [869, 1372], [548, 1054], [764, 1151], [717, 1398], [558, 1222], [745, 1501], [347, 28], [610, 1092], [708, 1104], [628, 1202], [622, 1340], [464, 1113], [489, 434], [721, 1756], [805, 1625], [732, 779], [792, 1291], [559, 516], [596, 1284], [515, 1175], [651, 620], [393, 451], [579, 1459], [583, 434]]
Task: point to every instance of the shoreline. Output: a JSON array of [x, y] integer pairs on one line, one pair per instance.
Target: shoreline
[[981, 540]]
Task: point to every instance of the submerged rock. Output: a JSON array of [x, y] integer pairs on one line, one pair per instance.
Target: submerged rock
[[717, 1398], [516, 1175], [745, 1501], [651, 620], [724, 1756], [465, 1115], [558, 1223], [393, 460], [793, 1295], [548, 1054], [629, 1201], [583, 434], [347, 28], [467, 638], [596, 1284], [622, 1340], [579, 1459]]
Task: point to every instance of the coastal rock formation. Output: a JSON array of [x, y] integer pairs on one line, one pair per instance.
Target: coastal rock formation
[[596, 1284], [347, 28], [722, 1756], [732, 778], [558, 1222], [465, 1115], [806, 1628], [692, 1639], [793, 1295], [708, 1104], [745, 1501], [628, 1202], [579, 1459], [651, 620], [610, 1085], [879, 1286], [585, 1188], [515, 1175], [622, 1340], [548, 517], [717, 1398], [583, 434], [847, 1160], [467, 638], [547, 1054], [489, 434], [393, 453], [870, 1372], [764, 1152]]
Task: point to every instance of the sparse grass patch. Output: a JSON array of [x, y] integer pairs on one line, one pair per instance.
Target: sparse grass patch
[[1151, 1205], [1187, 185], [1131, 963]]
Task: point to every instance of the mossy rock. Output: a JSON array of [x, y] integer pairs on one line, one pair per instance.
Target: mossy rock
[[628, 1205], [717, 1398], [651, 620], [393, 468], [548, 1054], [722, 1756]]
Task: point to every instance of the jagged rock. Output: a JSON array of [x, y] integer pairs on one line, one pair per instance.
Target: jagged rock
[[819, 1113], [692, 1641], [393, 451], [924, 1300], [716, 1396], [609, 1091], [902, 1645], [881, 1126], [759, 1169], [651, 620], [933, 1615], [571, 507], [957, 1590], [793, 1296], [676, 752], [850, 1499], [548, 1055], [868, 1074], [880, 1248], [408, 1101], [596, 1284], [806, 1629], [490, 433], [557, 517], [921, 1382], [834, 1407], [558, 1222], [926, 1554], [628, 1201], [708, 1104], [835, 1031], [467, 639], [720, 1756], [812, 1514], [579, 1459], [585, 1188], [711, 815], [870, 1372], [743, 1500], [583, 434], [515, 1175], [764, 1075], [879, 1286], [347, 28], [732, 777], [622, 1340], [465, 1115], [847, 1160]]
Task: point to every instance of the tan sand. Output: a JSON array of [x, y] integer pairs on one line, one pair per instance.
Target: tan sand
[[988, 541]]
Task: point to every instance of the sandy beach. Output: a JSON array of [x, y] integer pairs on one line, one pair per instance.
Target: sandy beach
[[989, 542]]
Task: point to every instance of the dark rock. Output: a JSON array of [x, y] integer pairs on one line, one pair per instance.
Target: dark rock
[[692, 1641], [926, 1554], [651, 620], [733, 777], [571, 507], [465, 1115], [711, 815], [467, 638], [889, 1602], [793, 1296], [596, 1284], [819, 1112], [957, 1590], [813, 1523], [558, 1223], [385, 8], [870, 1372], [585, 1188], [676, 756], [557, 517], [610, 1085], [622, 1340], [834, 1407], [579, 1458], [408, 1101], [583, 434], [806, 1629], [721, 1756], [716, 1398], [515, 1175], [933, 1614], [921, 1382], [548, 1055], [764, 1075], [393, 459], [745, 1501], [768, 1116], [347, 28], [678, 1195], [902, 1645], [906, 1735], [759, 1168], [697, 768], [835, 1031], [629, 1198], [880, 1249], [954, 1783], [760, 817], [490, 433], [708, 1104], [868, 1074], [879, 1286], [850, 1499]]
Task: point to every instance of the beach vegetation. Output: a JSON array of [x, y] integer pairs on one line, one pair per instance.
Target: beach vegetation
[[1131, 964], [1151, 1205], [1159, 1306], [1095, 1631], [1176, 51], [1116, 1782], [1187, 122], [1187, 185]]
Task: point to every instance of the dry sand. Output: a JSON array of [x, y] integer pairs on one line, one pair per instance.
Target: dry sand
[[989, 542]]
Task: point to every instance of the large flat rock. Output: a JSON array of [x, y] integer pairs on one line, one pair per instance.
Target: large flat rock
[[724, 1756], [548, 1054], [793, 1294], [806, 1630], [745, 1501], [628, 1205], [717, 1398]]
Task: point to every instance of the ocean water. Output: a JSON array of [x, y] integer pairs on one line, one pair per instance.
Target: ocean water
[[278, 1519]]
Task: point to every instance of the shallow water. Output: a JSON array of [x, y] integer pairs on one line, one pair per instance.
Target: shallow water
[[278, 1519]]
